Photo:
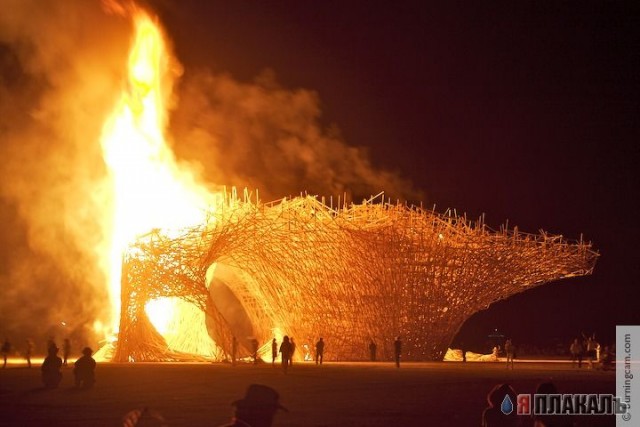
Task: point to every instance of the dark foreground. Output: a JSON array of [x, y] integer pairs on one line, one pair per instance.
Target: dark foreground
[[335, 394]]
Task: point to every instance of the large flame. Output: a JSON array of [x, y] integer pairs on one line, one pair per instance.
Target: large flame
[[150, 189]]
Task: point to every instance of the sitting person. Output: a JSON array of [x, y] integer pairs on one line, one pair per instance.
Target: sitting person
[[501, 411], [548, 388], [51, 375], [258, 407], [84, 369]]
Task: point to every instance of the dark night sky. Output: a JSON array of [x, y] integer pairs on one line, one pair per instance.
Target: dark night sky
[[525, 111]]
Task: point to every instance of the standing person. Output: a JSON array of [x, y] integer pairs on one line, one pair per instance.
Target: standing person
[[591, 350], [28, 351], [285, 350], [274, 351], [66, 350], [463, 349], [258, 407], [397, 350], [372, 351], [605, 358], [51, 375], [51, 344], [510, 350], [84, 369], [6, 348], [293, 350], [576, 353], [234, 350], [254, 350], [319, 350]]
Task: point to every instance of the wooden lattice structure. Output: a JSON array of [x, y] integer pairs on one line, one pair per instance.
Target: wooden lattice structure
[[349, 274]]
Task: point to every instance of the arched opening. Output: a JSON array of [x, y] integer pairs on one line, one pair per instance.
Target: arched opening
[[221, 279]]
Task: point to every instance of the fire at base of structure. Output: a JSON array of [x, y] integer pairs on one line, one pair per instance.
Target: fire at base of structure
[[352, 275]]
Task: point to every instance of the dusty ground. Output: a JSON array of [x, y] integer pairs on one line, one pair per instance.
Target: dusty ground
[[335, 394]]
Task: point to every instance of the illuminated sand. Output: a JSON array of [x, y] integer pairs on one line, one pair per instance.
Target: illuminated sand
[[435, 394]]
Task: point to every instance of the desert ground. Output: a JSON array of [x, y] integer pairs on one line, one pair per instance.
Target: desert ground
[[334, 394]]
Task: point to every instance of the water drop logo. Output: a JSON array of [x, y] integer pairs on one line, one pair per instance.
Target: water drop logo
[[507, 405]]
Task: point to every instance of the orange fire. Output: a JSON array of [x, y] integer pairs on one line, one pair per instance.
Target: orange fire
[[151, 189]]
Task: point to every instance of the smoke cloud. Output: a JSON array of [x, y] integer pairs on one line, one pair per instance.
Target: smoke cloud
[[62, 66], [61, 72], [261, 135]]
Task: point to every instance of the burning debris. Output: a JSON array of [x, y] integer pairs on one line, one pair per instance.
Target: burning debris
[[348, 273]]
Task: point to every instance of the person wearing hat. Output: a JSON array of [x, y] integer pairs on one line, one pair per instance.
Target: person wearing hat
[[84, 369], [257, 408], [51, 375]]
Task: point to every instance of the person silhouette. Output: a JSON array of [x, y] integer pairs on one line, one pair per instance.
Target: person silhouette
[[51, 344], [234, 350], [285, 350], [6, 348], [66, 350], [509, 350], [548, 387], [373, 348], [501, 411], [257, 408], [605, 358], [274, 351], [254, 350], [590, 348], [293, 350], [576, 350], [84, 369], [319, 350], [51, 375], [397, 350], [28, 351]]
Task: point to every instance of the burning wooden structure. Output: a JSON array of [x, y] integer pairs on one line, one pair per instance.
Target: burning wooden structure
[[350, 274]]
